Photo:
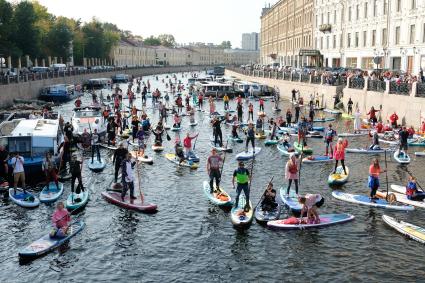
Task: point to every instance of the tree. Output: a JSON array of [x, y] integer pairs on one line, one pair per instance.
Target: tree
[[226, 45], [26, 35], [167, 40], [7, 47], [59, 38], [152, 41]]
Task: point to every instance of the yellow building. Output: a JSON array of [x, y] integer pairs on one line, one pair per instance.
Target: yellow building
[[132, 53], [287, 34]]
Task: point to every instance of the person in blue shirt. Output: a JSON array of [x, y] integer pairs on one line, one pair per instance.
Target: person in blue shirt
[[302, 131], [329, 137], [250, 137]]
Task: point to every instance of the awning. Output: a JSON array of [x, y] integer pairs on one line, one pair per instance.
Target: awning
[[309, 52]]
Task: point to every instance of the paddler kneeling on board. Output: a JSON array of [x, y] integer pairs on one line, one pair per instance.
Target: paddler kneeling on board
[[269, 201], [243, 178], [374, 172], [60, 221], [310, 203], [127, 173], [412, 192]]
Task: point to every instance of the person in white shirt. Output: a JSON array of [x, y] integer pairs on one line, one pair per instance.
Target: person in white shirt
[[18, 171], [127, 173], [95, 146]]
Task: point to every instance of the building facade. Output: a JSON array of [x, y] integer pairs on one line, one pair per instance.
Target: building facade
[[132, 53], [250, 41], [240, 57], [287, 34], [370, 34]]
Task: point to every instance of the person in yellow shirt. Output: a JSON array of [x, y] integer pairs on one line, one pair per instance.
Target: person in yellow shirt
[[226, 102]]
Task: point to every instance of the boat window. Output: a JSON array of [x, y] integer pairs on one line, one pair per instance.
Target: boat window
[[20, 144]]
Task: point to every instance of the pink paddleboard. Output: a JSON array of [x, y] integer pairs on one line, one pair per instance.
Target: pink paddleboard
[[115, 198]]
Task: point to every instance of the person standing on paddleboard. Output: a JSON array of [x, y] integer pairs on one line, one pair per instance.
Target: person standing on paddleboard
[[374, 172], [302, 131], [49, 169], [250, 137], [339, 154], [288, 117], [18, 172], [403, 135], [242, 177], [239, 109], [329, 137], [120, 155], [75, 168], [350, 106], [250, 112], [187, 143], [357, 121], [218, 135], [292, 173], [95, 146], [127, 169], [111, 129], [214, 162]]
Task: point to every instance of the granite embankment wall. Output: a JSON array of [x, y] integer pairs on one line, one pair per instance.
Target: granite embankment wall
[[30, 89], [410, 108]]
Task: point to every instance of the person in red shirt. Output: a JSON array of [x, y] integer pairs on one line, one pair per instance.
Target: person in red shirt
[[379, 127], [411, 131], [423, 127], [250, 111], [393, 119], [77, 103], [261, 104], [372, 115]]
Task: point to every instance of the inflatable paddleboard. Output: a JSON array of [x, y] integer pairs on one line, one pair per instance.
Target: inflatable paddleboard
[[305, 149], [290, 200], [238, 216], [51, 193], [287, 151], [401, 157], [263, 216], [137, 205], [144, 159], [352, 135], [325, 220], [249, 154], [96, 166], [218, 197], [26, 200], [317, 159], [76, 201], [157, 148], [339, 177], [172, 157], [365, 200], [412, 231]]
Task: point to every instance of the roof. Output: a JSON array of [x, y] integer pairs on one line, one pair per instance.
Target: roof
[[36, 128]]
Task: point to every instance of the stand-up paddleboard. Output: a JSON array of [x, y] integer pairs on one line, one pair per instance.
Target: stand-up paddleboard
[[77, 201], [365, 200], [401, 157], [51, 193], [110, 147], [238, 216], [420, 153], [416, 142], [260, 136], [325, 220], [157, 148], [263, 216], [304, 149], [144, 159], [347, 116], [366, 151], [137, 204], [390, 142], [220, 148], [185, 163], [287, 150], [193, 124], [323, 120], [332, 111], [46, 244], [317, 159], [290, 200], [176, 129], [192, 157], [352, 135], [238, 140], [26, 200], [64, 175], [270, 142], [95, 165], [400, 197], [412, 231], [339, 177], [276, 109], [218, 197], [246, 155]]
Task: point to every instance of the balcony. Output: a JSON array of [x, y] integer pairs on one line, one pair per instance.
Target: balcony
[[325, 28]]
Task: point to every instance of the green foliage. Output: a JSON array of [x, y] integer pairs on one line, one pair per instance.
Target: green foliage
[[7, 46], [152, 41], [26, 36], [167, 40], [226, 44], [59, 38]]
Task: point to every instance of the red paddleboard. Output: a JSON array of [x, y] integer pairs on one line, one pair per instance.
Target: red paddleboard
[[115, 198]]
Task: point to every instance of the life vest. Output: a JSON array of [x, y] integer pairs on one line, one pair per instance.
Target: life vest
[[187, 142], [410, 189], [293, 168], [242, 176]]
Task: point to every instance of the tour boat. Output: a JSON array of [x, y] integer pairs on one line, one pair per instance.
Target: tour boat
[[88, 118], [60, 93]]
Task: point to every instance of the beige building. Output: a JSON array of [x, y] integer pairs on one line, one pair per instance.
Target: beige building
[[132, 53], [240, 57], [208, 54], [287, 34]]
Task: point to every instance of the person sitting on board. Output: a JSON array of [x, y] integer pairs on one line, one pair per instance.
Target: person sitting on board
[[159, 130], [375, 142], [60, 220], [412, 191], [259, 126], [329, 137], [75, 168], [242, 177], [286, 138], [292, 172], [214, 162], [310, 203], [250, 136], [179, 152], [49, 169], [140, 135], [269, 202], [339, 154], [127, 177], [187, 143], [411, 132], [95, 146], [373, 182]]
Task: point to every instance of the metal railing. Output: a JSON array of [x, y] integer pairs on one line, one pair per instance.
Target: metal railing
[[420, 89], [295, 77], [316, 80], [400, 88], [286, 76], [376, 85], [305, 78], [356, 83]]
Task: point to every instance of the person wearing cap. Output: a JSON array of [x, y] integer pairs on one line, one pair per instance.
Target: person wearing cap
[[119, 155], [329, 137], [75, 168], [242, 177], [214, 162], [291, 172]]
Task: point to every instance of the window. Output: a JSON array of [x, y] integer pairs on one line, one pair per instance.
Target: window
[[364, 38], [349, 14], [398, 5], [397, 35], [365, 10], [357, 39], [327, 42], [321, 43], [334, 16], [373, 37], [357, 12], [334, 42], [329, 17], [349, 40], [385, 7], [374, 8], [412, 34], [384, 36]]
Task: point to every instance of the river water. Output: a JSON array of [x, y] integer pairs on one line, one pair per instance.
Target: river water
[[191, 240]]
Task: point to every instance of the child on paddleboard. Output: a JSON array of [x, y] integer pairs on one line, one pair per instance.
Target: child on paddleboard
[[60, 221], [310, 203]]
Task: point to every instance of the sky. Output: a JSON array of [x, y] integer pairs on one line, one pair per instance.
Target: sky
[[188, 20]]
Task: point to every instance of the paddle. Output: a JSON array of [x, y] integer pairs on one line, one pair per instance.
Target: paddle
[[168, 136], [386, 173], [196, 139], [250, 179], [271, 180], [224, 158], [410, 173], [138, 181], [301, 159]]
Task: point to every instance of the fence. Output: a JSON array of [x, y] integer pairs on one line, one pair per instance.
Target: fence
[[400, 88], [376, 85], [356, 83]]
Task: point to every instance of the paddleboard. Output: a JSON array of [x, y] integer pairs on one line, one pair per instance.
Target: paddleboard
[[284, 150], [400, 197], [144, 159], [325, 220], [157, 148], [271, 142], [96, 166], [218, 148], [262, 215], [366, 151], [176, 129], [137, 205], [420, 153], [76, 201], [46, 244], [347, 116], [51, 193], [352, 135], [110, 147], [172, 157], [218, 197], [260, 136], [27, 199], [317, 159], [390, 142], [238, 216], [245, 155], [339, 177], [193, 124], [412, 231], [365, 200], [332, 111], [238, 140], [401, 157], [290, 200], [305, 149], [323, 120]]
